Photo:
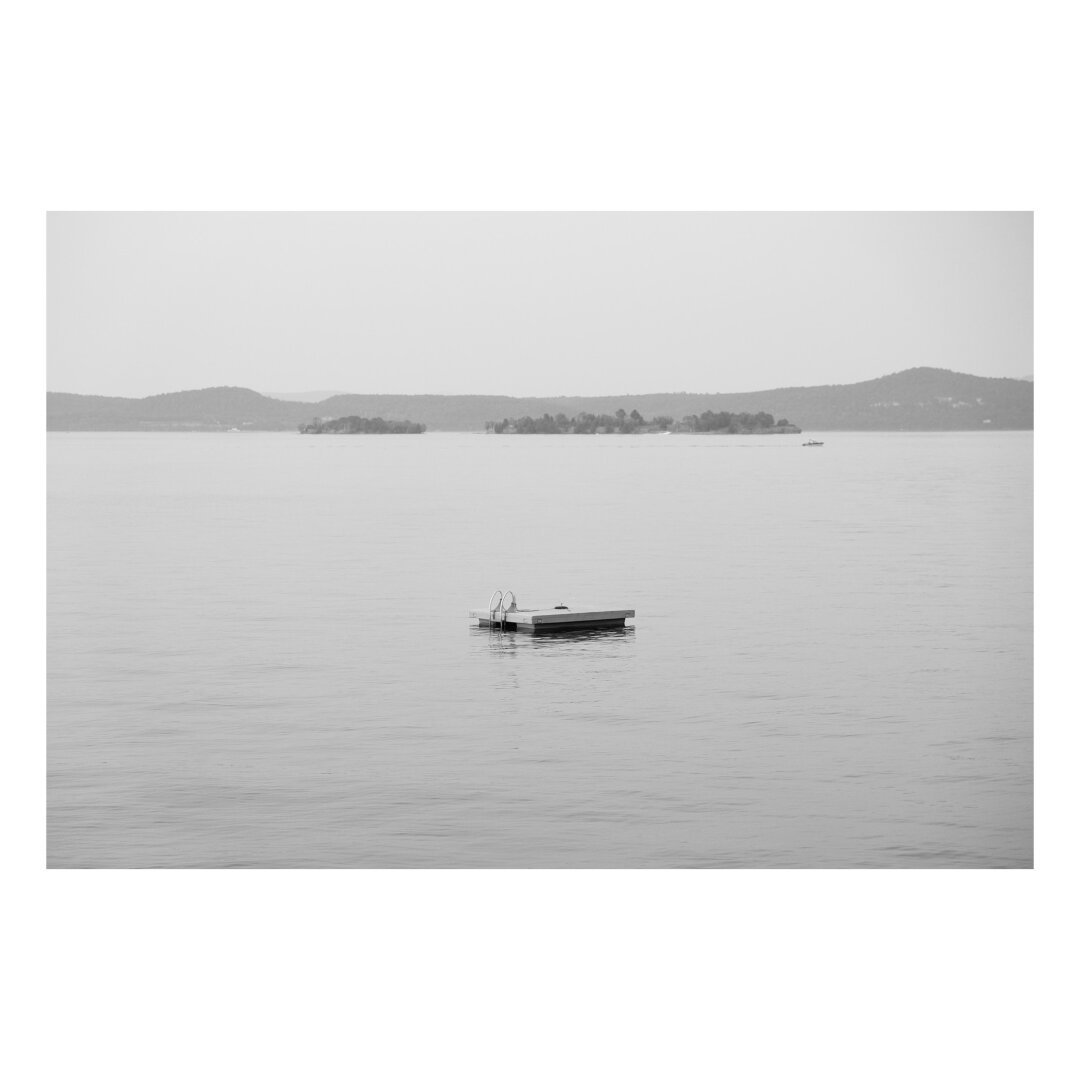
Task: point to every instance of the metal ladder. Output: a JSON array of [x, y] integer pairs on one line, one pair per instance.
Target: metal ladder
[[500, 607]]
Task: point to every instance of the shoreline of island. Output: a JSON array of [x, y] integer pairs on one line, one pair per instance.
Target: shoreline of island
[[362, 425], [633, 423]]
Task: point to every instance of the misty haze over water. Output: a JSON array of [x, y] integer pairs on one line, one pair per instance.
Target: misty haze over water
[[531, 304]]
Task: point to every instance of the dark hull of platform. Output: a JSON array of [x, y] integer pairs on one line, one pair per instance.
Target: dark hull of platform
[[554, 628]]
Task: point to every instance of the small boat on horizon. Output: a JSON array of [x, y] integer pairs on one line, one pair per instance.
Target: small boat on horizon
[[813, 442]]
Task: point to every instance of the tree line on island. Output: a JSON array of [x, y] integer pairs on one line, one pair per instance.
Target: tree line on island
[[583, 423], [632, 423], [361, 425]]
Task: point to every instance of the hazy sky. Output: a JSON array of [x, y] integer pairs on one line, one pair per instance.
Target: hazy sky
[[531, 303]]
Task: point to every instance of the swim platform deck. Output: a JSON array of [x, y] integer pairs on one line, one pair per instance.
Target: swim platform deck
[[540, 620]]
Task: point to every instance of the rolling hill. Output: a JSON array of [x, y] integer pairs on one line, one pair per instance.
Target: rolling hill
[[918, 399]]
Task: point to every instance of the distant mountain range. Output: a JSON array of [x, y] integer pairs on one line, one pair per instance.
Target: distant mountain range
[[918, 399]]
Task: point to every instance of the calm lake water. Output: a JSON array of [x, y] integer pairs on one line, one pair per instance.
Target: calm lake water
[[259, 656]]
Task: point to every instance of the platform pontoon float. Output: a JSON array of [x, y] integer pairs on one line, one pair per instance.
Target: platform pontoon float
[[502, 613]]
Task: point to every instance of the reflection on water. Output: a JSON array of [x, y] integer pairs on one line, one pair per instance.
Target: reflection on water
[[509, 640]]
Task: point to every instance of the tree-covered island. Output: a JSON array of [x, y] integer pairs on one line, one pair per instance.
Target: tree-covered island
[[361, 425], [633, 423]]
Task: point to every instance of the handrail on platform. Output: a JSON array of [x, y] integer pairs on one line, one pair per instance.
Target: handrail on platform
[[502, 607]]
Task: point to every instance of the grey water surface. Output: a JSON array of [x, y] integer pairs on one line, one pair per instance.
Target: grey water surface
[[259, 656]]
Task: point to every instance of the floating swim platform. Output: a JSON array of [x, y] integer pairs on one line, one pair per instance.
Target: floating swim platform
[[502, 613]]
